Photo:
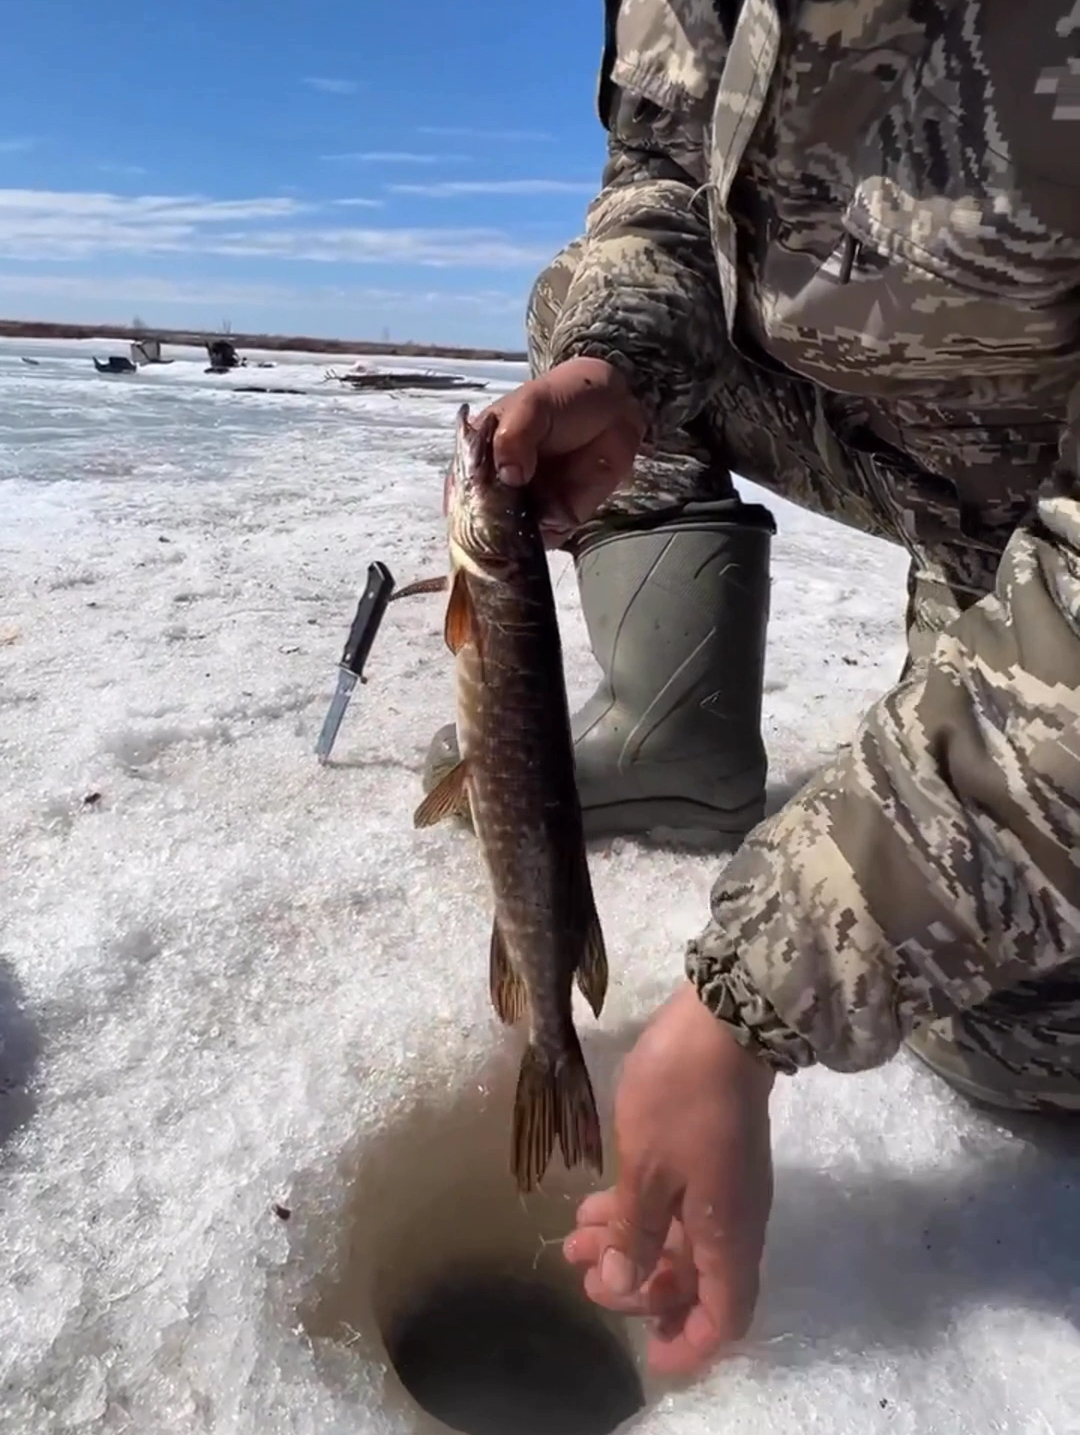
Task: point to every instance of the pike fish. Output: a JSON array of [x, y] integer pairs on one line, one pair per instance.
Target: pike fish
[[516, 775]]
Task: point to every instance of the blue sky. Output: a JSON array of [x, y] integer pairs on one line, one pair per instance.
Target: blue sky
[[337, 169]]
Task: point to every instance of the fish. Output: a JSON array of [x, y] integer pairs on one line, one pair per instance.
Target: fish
[[516, 778]]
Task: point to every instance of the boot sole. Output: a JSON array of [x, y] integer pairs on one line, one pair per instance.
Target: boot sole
[[686, 820]]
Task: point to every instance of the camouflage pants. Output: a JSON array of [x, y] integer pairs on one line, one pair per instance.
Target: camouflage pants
[[817, 450]]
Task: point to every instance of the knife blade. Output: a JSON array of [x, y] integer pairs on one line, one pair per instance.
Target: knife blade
[[365, 625]]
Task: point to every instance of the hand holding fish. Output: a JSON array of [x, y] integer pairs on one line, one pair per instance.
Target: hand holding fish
[[679, 1239], [574, 433]]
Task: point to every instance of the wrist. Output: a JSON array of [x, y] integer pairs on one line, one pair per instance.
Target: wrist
[[618, 375], [728, 1058]]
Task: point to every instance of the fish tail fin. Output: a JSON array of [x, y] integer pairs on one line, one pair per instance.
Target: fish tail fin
[[554, 1100]]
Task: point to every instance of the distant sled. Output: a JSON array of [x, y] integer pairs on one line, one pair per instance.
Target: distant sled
[[147, 351], [114, 364], [223, 357], [359, 378]]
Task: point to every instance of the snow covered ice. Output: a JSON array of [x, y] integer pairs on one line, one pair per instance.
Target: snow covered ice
[[231, 979]]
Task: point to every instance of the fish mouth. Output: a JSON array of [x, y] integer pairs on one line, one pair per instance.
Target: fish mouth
[[474, 457]]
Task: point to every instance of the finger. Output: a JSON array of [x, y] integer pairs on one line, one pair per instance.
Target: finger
[[726, 1242], [684, 1345], [685, 1336], [725, 1226], [636, 1304], [597, 1208], [669, 1293], [525, 420], [646, 1202], [585, 1245], [561, 413]]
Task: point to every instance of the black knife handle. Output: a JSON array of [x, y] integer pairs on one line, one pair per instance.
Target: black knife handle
[[369, 614]]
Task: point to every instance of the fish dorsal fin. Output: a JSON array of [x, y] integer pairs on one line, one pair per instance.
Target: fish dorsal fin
[[592, 972], [447, 798], [592, 967]]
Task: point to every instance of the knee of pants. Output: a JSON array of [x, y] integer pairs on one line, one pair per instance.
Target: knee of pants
[[546, 302]]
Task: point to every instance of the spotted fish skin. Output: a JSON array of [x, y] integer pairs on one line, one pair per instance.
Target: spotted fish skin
[[517, 776]]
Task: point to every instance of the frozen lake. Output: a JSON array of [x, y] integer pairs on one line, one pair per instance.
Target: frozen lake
[[230, 979]]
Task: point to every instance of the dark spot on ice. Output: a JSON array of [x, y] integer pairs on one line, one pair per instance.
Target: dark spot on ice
[[137, 946], [281, 1212], [20, 1048], [81, 578], [91, 799], [135, 751], [375, 764]]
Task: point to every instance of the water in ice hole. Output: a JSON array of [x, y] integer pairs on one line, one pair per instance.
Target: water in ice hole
[[457, 1282]]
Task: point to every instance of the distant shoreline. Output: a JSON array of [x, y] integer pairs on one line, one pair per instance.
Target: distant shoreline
[[27, 329]]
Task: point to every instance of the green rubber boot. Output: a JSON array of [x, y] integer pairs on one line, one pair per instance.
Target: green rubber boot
[[677, 612]]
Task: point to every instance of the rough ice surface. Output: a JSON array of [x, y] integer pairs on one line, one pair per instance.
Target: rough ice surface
[[230, 978]]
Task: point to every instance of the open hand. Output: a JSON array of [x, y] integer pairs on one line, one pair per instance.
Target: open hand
[[680, 1238]]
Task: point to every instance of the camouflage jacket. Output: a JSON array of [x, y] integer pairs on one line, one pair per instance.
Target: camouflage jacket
[[884, 197]]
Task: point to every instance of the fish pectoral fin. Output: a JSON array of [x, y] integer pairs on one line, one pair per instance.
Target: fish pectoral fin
[[554, 1099], [422, 585], [509, 994], [460, 626], [447, 798], [592, 968]]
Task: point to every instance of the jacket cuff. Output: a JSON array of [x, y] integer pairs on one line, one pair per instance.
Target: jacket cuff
[[726, 988]]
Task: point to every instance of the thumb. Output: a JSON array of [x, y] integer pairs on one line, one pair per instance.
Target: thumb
[[524, 424], [645, 1204]]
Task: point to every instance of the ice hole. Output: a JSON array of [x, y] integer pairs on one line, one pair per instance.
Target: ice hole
[[493, 1353], [456, 1285]]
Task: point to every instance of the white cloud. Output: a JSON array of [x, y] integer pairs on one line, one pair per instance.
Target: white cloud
[[331, 86], [43, 224], [431, 248], [150, 290], [16, 146], [359, 203], [450, 189], [464, 132], [395, 157], [146, 208]]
